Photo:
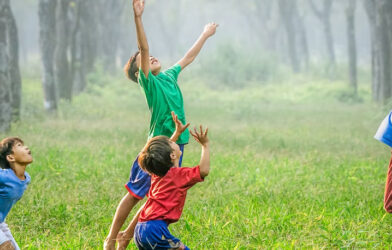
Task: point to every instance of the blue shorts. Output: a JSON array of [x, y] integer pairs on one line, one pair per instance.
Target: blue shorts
[[154, 234], [139, 181]]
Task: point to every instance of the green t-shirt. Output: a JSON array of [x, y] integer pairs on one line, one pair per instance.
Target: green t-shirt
[[163, 96]]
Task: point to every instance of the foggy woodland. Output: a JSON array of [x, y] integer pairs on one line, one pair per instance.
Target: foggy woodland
[[65, 40]]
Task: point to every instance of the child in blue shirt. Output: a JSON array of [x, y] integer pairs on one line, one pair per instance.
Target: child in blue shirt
[[14, 158]]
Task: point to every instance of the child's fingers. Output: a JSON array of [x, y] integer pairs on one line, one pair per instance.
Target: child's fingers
[[194, 136], [187, 125], [197, 139], [197, 133], [205, 132]]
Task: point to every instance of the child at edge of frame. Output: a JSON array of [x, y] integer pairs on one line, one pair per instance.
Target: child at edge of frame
[[384, 135], [14, 158]]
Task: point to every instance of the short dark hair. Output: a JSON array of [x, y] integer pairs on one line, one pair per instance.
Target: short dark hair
[[131, 67], [155, 157], [6, 146]]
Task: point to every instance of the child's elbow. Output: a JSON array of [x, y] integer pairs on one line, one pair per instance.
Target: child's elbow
[[204, 173]]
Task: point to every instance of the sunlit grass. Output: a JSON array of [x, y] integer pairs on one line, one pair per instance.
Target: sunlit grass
[[292, 166]]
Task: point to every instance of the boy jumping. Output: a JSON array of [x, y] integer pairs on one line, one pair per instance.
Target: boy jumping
[[163, 96], [14, 158]]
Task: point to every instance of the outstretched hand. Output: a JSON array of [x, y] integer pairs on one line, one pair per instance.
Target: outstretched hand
[[200, 136], [179, 126], [210, 29], [138, 7]]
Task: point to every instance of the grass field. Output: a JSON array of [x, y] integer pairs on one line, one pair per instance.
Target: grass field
[[292, 167]]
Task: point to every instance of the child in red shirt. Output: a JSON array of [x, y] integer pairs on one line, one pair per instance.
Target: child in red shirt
[[169, 185]]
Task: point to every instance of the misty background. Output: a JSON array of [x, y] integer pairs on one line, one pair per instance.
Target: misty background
[[257, 42]]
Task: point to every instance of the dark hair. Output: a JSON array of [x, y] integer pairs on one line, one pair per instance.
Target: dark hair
[[155, 157], [131, 67], [6, 146]]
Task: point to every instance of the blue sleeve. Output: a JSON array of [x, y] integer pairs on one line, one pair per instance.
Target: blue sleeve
[[3, 176], [173, 72]]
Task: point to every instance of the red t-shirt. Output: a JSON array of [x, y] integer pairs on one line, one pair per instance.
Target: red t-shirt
[[167, 194]]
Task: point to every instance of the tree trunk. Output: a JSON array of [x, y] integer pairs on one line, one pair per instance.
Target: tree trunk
[[61, 69], [370, 8], [110, 13], [302, 38], [78, 49], [351, 43], [324, 16], [14, 72], [47, 23], [382, 12], [286, 7], [379, 15], [89, 36], [5, 90]]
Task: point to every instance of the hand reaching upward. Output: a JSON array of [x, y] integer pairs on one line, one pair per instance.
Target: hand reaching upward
[[138, 7], [210, 29], [200, 137], [180, 128]]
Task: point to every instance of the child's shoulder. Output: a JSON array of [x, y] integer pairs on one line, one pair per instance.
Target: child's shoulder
[[180, 170], [5, 173]]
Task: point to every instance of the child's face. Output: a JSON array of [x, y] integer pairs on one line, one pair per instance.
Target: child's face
[[21, 154], [176, 154], [155, 65]]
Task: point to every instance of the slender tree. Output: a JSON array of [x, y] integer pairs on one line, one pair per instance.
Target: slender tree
[[351, 43], [47, 23], [287, 15], [14, 71], [5, 89], [379, 16], [109, 16], [61, 61], [323, 14], [302, 36]]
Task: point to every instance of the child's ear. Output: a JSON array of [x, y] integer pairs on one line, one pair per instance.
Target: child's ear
[[173, 156], [137, 74], [10, 158]]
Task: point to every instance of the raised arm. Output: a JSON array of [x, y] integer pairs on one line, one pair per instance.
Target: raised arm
[[138, 8], [180, 128], [208, 31], [201, 137]]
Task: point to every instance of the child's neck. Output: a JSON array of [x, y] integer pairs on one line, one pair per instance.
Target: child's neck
[[19, 170], [176, 163]]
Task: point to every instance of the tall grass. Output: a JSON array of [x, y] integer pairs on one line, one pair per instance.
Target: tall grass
[[292, 167]]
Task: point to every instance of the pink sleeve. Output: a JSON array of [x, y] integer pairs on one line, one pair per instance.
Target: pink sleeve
[[187, 177], [388, 190]]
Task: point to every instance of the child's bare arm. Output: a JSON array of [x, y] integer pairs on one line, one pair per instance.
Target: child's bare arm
[[180, 128], [208, 31], [138, 8], [201, 137], [124, 237]]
